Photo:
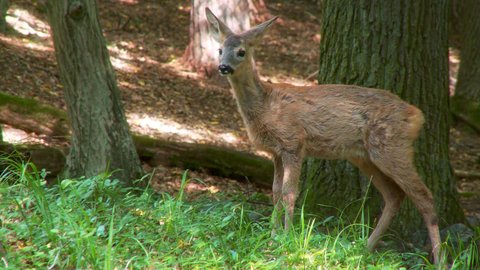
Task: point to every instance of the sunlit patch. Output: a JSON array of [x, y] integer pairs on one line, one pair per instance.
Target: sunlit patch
[[454, 63], [167, 128], [128, 2], [120, 52], [27, 24], [25, 43], [127, 85], [17, 136], [229, 137], [123, 65]]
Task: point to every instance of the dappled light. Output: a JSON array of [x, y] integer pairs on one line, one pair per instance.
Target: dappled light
[[128, 2], [168, 128], [27, 24], [13, 135], [25, 43], [187, 140]]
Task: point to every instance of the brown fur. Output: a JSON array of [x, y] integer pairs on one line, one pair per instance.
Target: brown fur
[[372, 128]]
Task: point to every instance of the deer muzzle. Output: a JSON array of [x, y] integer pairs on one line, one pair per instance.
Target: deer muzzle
[[225, 70]]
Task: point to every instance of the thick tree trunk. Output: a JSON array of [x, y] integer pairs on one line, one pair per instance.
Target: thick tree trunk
[[467, 14], [100, 136], [400, 46], [4, 4], [201, 53]]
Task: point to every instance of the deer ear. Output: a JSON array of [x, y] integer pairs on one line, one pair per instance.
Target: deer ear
[[255, 33], [217, 28]]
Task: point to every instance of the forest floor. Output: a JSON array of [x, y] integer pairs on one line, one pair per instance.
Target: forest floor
[[164, 99]]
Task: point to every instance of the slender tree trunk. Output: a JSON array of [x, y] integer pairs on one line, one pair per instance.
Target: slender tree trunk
[[467, 15], [201, 53], [100, 136], [4, 4], [400, 46]]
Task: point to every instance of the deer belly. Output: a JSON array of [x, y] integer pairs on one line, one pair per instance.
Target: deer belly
[[329, 149]]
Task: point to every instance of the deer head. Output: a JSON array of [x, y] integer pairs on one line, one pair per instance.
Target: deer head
[[235, 48]]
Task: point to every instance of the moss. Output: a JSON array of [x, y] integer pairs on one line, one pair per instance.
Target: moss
[[27, 106], [469, 110]]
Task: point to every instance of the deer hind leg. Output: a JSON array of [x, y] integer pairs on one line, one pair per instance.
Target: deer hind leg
[[292, 165], [392, 195], [397, 162], [277, 193]]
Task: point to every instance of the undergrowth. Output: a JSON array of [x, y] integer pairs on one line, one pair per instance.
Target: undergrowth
[[95, 223]]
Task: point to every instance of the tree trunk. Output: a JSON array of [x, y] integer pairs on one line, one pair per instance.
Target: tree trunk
[[100, 136], [258, 11], [201, 53], [468, 27], [400, 46], [4, 4]]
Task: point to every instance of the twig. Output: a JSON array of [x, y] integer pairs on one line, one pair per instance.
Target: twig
[[312, 75]]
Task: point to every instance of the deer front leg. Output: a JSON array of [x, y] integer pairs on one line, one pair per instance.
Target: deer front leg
[[277, 193], [292, 165]]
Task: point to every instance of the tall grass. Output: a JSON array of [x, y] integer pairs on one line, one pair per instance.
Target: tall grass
[[95, 223]]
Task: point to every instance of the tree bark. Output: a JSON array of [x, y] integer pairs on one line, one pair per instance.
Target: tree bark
[[4, 4], [467, 16], [201, 53], [100, 136], [400, 46], [258, 11]]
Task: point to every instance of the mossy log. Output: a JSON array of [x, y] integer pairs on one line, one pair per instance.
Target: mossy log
[[44, 157], [29, 115], [467, 111], [215, 160]]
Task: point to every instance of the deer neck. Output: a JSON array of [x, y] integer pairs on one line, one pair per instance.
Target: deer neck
[[248, 90]]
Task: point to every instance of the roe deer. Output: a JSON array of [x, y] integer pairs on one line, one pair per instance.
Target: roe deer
[[372, 128]]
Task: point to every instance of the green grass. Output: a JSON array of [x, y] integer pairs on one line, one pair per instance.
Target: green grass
[[95, 223]]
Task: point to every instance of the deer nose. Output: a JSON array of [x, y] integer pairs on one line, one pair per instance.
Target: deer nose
[[225, 70]]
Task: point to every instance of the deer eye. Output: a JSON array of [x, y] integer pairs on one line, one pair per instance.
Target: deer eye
[[220, 51], [241, 53]]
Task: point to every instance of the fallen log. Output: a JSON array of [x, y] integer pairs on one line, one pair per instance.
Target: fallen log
[[215, 160], [31, 116], [51, 159]]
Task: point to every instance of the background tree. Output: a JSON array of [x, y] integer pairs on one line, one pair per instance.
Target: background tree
[[464, 35], [400, 46], [100, 134], [4, 4], [201, 53], [466, 27], [258, 11]]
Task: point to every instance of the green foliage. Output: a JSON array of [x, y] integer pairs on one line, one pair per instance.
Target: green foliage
[[96, 223], [29, 107]]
